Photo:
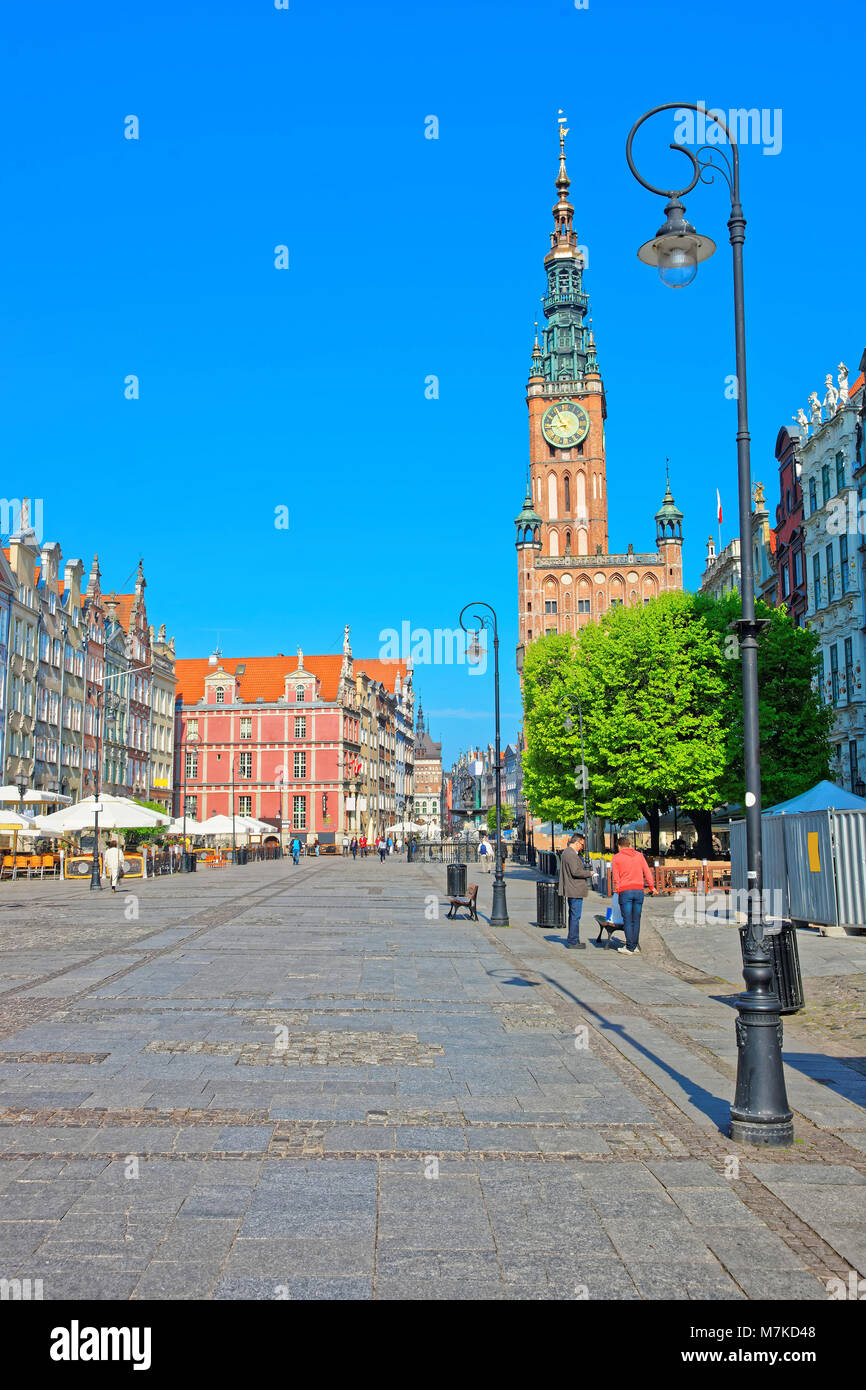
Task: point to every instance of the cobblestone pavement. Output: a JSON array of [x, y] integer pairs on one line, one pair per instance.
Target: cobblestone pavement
[[304, 1082]]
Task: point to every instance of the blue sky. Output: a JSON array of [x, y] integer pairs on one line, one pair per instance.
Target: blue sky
[[408, 257]]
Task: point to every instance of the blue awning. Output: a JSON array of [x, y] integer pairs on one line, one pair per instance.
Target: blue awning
[[825, 796]]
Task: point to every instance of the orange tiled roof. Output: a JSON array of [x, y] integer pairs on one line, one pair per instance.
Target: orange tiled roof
[[124, 607], [265, 676]]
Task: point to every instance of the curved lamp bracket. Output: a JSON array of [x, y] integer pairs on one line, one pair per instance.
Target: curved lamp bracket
[[698, 166]]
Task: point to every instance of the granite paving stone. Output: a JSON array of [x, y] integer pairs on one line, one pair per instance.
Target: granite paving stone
[[156, 1142]]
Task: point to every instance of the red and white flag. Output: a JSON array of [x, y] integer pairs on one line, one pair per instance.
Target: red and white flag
[[719, 506]]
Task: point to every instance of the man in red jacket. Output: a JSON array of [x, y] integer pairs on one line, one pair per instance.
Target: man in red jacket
[[630, 872]]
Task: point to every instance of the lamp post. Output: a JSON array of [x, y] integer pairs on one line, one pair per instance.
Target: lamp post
[[499, 911], [760, 1113]]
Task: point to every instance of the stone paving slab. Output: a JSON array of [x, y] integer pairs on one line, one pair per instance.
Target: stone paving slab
[[459, 1113]]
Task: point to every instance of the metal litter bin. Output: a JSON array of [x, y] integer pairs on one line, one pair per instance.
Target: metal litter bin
[[548, 905], [785, 960], [455, 875]]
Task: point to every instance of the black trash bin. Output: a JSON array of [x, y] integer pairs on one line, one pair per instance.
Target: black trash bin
[[548, 905], [455, 876], [785, 959]]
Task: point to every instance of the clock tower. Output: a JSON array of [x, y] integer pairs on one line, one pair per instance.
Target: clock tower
[[566, 577]]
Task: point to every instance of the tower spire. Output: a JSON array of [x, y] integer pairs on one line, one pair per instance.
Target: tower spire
[[565, 344]]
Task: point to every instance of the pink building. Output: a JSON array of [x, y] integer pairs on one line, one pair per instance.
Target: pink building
[[309, 744]]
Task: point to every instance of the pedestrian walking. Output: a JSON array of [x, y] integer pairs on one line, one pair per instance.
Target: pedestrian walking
[[382, 847], [362, 845], [296, 851], [353, 847], [631, 874], [112, 864], [485, 852], [574, 877]]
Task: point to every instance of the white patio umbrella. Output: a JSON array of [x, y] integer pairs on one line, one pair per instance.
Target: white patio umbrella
[[11, 794], [115, 813], [25, 825]]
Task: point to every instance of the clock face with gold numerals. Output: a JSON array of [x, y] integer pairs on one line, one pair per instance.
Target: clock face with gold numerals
[[564, 424]]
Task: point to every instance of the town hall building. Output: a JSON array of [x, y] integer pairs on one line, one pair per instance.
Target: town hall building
[[566, 575]]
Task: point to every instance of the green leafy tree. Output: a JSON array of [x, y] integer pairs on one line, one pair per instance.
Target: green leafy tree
[[648, 680], [794, 724], [652, 679], [506, 817], [134, 837]]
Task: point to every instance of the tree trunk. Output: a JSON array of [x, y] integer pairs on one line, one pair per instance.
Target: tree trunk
[[703, 823], [653, 817]]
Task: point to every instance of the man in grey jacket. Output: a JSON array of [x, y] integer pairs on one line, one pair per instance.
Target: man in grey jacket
[[574, 877]]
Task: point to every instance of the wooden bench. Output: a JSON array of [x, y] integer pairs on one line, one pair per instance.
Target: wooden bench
[[605, 926], [467, 902]]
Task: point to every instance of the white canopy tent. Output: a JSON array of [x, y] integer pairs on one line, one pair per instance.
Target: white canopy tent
[[222, 825], [193, 827]]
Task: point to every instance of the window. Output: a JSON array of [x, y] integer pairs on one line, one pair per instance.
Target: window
[[550, 605], [300, 695], [849, 670], [831, 574], [245, 764], [825, 483], [299, 813], [52, 603], [190, 806], [300, 726], [300, 765], [813, 497], [785, 579], [840, 472], [220, 695], [798, 567], [566, 483], [616, 603], [191, 765], [843, 564], [583, 605], [246, 728], [788, 501], [834, 674], [816, 579], [245, 806], [852, 762], [192, 728]]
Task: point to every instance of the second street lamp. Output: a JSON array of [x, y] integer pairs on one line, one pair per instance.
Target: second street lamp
[[760, 1113], [499, 910]]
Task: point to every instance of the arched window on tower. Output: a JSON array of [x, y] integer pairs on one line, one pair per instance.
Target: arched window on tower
[[554, 542], [582, 548], [568, 542], [552, 510], [566, 492], [594, 487], [581, 494]]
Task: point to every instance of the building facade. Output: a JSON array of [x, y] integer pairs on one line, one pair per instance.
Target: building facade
[[832, 538], [566, 576], [308, 744], [77, 683], [790, 559], [723, 575], [428, 779]]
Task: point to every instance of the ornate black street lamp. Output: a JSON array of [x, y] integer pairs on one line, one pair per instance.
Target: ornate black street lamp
[[499, 912], [760, 1113]]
